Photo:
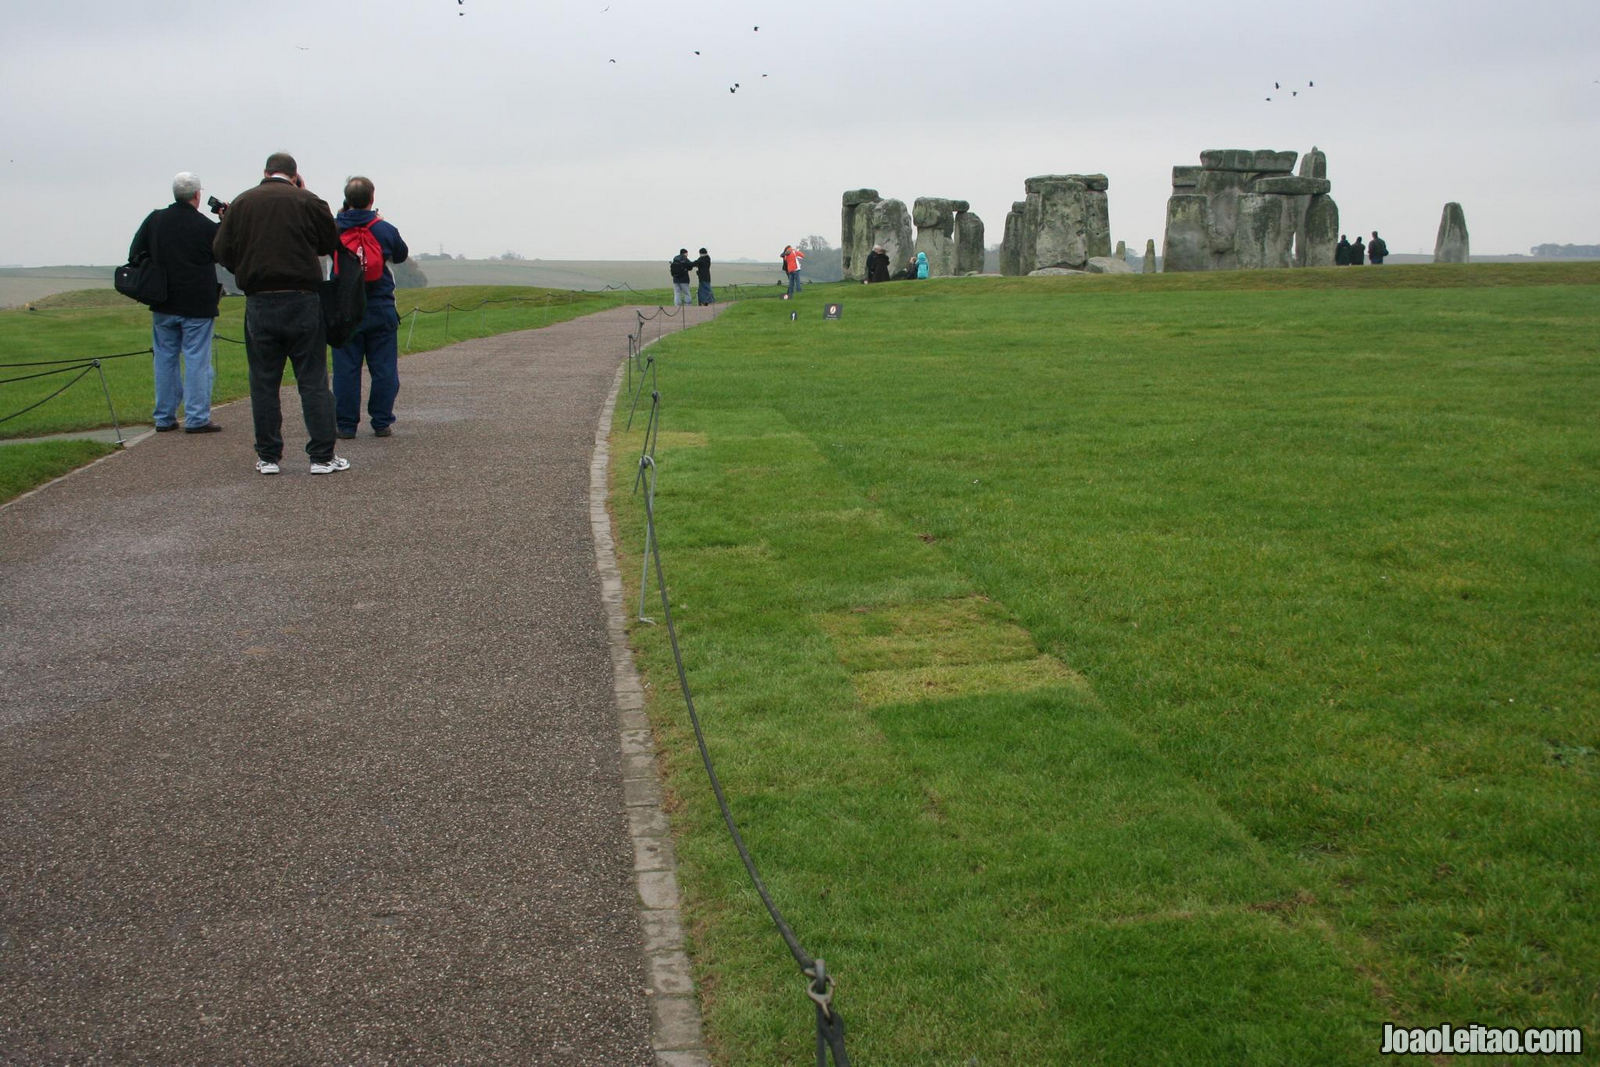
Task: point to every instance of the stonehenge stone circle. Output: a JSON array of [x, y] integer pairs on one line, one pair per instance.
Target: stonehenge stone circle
[[1247, 209], [867, 220], [1452, 245], [969, 244]]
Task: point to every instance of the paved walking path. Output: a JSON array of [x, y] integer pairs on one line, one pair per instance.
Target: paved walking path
[[306, 769]]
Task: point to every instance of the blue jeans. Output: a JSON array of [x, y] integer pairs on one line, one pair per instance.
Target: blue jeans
[[284, 328], [705, 293], [794, 282], [680, 294], [172, 336], [375, 342]]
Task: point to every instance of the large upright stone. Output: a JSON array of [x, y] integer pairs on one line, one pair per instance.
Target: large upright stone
[[889, 225], [854, 240], [1011, 241], [1149, 256], [1452, 244], [1319, 233], [1314, 164], [936, 227], [969, 243], [1187, 244], [1062, 236], [1265, 231]]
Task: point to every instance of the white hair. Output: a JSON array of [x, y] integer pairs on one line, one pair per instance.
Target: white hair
[[185, 186]]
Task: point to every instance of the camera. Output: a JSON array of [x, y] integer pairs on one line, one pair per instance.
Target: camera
[[217, 206]]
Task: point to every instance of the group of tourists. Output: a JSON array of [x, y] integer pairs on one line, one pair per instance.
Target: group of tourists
[[271, 238], [680, 267], [878, 266], [1347, 254]]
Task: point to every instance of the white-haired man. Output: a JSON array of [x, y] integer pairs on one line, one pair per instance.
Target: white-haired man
[[178, 238]]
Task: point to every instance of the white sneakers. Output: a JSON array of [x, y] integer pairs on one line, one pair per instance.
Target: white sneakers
[[328, 466]]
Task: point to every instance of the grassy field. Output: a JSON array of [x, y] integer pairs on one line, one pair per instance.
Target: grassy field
[[1194, 669], [101, 324]]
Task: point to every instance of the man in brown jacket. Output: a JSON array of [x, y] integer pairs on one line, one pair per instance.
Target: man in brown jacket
[[270, 239]]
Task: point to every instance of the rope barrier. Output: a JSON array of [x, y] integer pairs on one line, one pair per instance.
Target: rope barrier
[[86, 368], [79, 360], [830, 1027]]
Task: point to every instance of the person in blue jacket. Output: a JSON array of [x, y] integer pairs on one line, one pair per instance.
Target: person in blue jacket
[[922, 264], [376, 340]]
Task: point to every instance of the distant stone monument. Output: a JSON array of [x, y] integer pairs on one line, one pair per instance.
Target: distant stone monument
[[935, 218], [866, 219], [1149, 256], [1452, 246], [1246, 209], [969, 244], [1064, 222]]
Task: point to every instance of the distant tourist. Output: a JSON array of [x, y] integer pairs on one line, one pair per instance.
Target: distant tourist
[[702, 269], [679, 267], [1341, 254], [1377, 249], [270, 239], [877, 265], [178, 238], [376, 340], [1358, 252], [922, 264], [793, 260]]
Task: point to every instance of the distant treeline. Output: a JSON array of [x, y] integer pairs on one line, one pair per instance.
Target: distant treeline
[[1567, 251]]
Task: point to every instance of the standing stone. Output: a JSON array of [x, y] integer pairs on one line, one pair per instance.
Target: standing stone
[[1314, 164], [1060, 236], [1011, 242], [854, 239], [1319, 234], [1452, 245], [969, 244], [1122, 250], [936, 226], [1149, 256], [1265, 230], [889, 225], [1187, 244]]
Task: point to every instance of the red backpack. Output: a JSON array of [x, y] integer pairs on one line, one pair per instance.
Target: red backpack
[[359, 239]]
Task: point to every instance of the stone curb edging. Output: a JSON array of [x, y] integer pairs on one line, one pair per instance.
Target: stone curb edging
[[675, 1033]]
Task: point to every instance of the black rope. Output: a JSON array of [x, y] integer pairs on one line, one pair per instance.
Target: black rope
[[85, 372], [79, 359], [830, 1025]]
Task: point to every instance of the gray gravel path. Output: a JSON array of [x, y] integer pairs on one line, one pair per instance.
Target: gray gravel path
[[306, 769]]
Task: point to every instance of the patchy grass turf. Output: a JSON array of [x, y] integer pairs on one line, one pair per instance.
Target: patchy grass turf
[[1313, 555], [25, 466]]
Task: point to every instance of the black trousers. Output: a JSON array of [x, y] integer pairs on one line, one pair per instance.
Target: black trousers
[[287, 328]]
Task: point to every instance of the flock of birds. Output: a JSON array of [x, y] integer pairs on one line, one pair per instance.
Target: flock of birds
[[1277, 88]]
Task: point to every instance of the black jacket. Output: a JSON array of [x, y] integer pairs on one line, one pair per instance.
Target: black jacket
[[680, 268], [702, 267], [877, 266], [179, 238], [272, 235]]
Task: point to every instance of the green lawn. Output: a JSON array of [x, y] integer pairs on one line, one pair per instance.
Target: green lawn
[[1191, 669]]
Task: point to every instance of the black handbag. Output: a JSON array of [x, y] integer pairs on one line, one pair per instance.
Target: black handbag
[[142, 277]]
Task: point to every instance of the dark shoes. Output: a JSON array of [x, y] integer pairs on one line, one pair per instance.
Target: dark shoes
[[209, 427], [381, 431], [167, 429], [344, 435]]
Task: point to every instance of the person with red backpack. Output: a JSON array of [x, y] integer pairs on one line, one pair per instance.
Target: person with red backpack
[[376, 243]]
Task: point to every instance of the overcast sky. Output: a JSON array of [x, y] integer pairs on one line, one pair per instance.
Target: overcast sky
[[504, 125]]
